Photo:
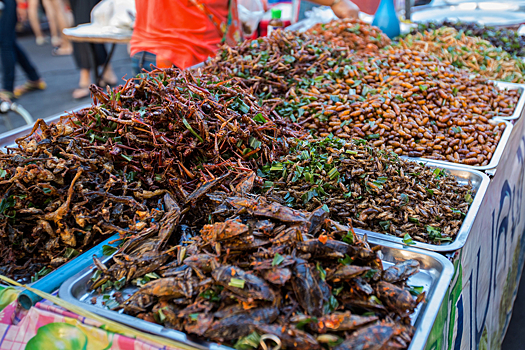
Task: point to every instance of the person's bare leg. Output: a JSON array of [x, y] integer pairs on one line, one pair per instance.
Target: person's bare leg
[[109, 76], [52, 20], [34, 21], [83, 84], [65, 48]]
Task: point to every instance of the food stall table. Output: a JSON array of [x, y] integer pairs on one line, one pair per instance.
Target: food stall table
[[478, 303], [477, 308]]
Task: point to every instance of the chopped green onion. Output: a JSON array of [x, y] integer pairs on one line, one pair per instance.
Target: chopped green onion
[[162, 317], [277, 259], [237, 283], [249, 342], [349, 238], [112, 303], [108, 250], [96, 275], [333, 174], [322, 272], [259, 118], [152, 275], [277, 167], [188, 126], [347, 260], [416, 290], [385, 225], [70, 253], [120, 283], [128, 158], [408, 240], [414, 220]]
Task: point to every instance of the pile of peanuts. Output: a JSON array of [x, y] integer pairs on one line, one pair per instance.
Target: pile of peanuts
[[413, 105]]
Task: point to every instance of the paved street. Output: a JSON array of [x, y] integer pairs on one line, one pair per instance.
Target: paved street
[[61, 76], [515, 338]]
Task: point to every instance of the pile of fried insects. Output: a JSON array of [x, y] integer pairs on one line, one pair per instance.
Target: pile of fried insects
[[236, 188]]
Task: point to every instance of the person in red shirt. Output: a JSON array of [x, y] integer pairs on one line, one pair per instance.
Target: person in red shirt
[[183, 33]]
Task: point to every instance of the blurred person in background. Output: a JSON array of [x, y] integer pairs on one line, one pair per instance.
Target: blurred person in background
[[62, 46], [34, 21], [345, 10], [183, 33], [86, 53], [11, 53]]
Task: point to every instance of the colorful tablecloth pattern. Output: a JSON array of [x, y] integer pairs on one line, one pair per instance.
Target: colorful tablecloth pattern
[[47, 326]]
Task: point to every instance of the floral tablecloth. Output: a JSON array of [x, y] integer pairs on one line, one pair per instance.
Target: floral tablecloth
[[47, 326]]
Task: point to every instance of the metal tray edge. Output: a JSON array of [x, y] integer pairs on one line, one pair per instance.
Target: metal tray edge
[[427, 316], [521, 101], [495, 157], [462, 237], [65, 293], [8, 138]]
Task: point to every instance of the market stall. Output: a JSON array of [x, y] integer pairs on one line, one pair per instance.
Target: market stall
[[398, 223]]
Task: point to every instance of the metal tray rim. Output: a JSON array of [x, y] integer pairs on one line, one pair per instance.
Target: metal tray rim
[[495, 157], [65, 293], [466, 226], [521, 101], [8, 138], [426, 317], [429, 315], [437, 5]]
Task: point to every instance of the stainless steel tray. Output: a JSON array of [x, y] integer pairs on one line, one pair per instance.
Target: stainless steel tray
[[494, 161], [480, 182], [435, 276], [521, 101], [8, 138], [503, 13]]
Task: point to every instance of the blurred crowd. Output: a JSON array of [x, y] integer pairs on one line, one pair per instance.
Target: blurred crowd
[[56, 15], [166, 33]]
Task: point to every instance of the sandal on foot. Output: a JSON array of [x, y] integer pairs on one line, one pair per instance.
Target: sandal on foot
[[109, 79], [40, 40], [80, 93], [60, 51], [29, 86], [6, 96], [56, 41], [104, 83]]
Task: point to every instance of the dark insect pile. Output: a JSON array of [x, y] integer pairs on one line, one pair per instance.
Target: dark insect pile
[[59, 198], [508, 39], [260, 269], [352, 33], [274, 67], [171, 162], [277, 66], [370, 188], [173, 130]]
